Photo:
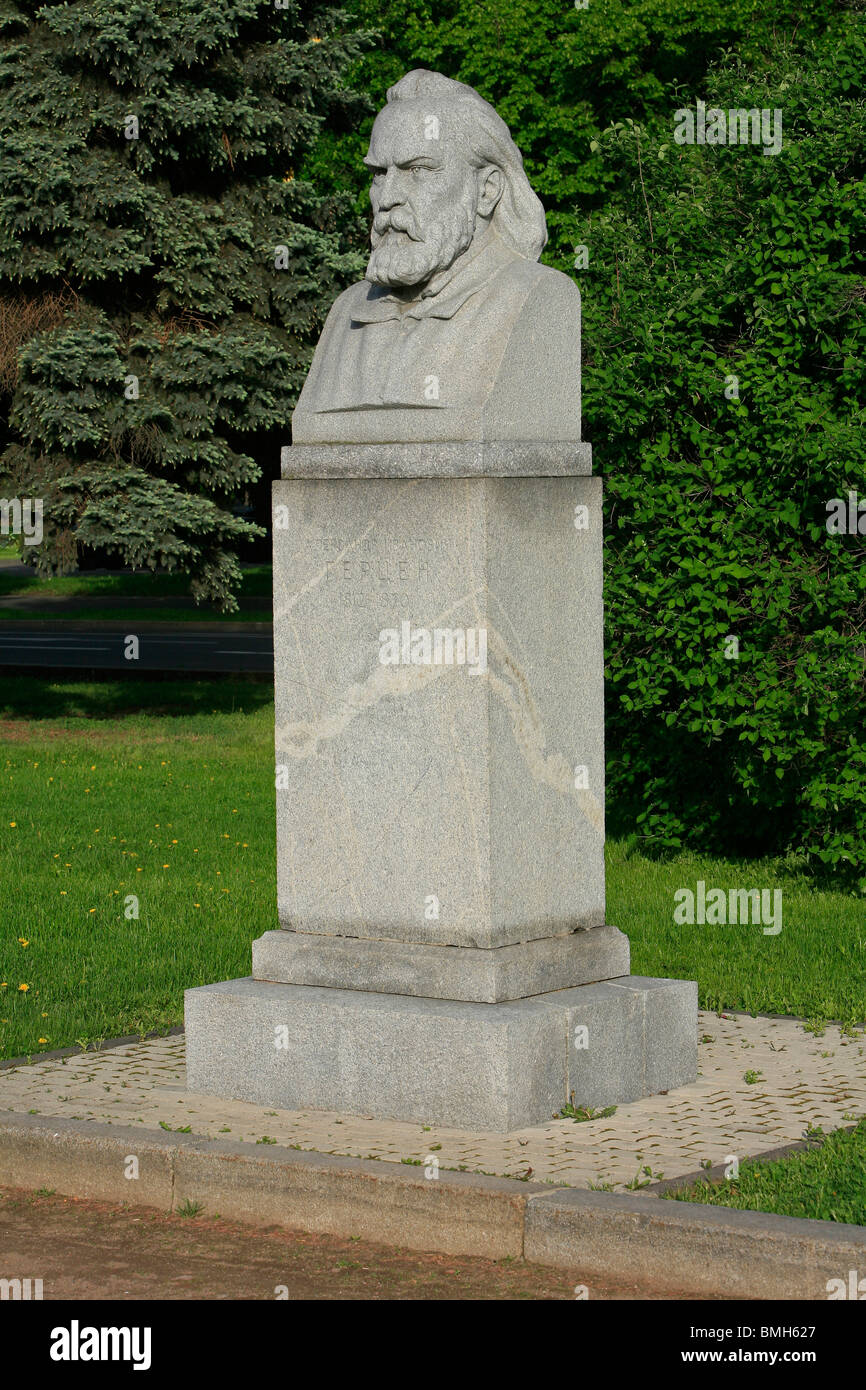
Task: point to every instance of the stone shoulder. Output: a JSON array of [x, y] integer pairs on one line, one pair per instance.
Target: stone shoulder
[[543, 280]]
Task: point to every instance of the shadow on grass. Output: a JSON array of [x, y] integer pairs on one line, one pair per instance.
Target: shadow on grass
[[256, 582], [33, 697]]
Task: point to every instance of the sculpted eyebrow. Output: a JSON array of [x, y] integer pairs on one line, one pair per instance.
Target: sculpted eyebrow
[[414, 161]]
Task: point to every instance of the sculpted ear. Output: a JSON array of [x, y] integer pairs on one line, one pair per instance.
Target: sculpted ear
[[490, 184]]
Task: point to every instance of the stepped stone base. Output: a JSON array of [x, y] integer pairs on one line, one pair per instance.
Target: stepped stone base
[[442, 972], [468, 1065]]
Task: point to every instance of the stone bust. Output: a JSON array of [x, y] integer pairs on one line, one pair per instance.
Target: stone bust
[[456, 333]]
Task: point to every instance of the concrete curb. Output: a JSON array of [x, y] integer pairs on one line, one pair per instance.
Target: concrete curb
[[457, 1214], [597, 1234], [708, 1250]]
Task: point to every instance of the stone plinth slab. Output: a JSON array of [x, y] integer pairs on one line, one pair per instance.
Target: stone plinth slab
[[442, 459], [442, 972], [445, 802], [493, 1066]]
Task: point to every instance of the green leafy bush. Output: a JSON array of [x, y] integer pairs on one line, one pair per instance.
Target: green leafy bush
[[708, 264]]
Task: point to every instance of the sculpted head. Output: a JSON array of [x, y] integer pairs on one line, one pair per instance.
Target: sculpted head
[[445, 170]]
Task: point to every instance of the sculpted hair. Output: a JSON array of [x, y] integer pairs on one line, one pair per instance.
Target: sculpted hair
[[519, 217]]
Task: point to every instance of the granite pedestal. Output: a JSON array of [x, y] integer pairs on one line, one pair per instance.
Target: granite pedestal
[[470, 1066], [443, 952]]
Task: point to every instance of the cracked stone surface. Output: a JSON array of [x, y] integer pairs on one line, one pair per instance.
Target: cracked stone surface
[[801, 1080]]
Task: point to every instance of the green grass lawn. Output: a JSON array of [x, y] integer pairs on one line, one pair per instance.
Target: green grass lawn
[[175, 805], [827, 1183], [257, 584], [814, 968]]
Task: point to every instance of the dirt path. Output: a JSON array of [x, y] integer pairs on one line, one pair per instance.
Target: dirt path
[[93, 1250]]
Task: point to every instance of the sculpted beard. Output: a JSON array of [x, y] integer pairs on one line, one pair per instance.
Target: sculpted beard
[[411, 259]]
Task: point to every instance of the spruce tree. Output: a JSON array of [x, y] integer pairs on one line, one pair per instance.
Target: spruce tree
[[164, 275]]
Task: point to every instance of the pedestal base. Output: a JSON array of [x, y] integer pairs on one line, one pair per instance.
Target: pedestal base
[[442, 972], [498, 1066]]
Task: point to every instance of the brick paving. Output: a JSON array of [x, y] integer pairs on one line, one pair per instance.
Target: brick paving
[[802, 1080]]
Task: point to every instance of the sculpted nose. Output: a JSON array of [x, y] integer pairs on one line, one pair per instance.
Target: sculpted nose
[[389, 194]]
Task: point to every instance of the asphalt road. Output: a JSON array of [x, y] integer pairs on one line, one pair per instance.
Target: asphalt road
[[65, 646]]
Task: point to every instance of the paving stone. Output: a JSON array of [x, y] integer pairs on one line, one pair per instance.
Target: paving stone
[[680, 1126]]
